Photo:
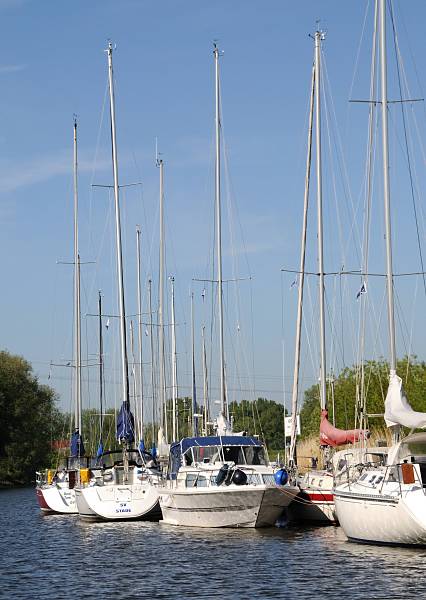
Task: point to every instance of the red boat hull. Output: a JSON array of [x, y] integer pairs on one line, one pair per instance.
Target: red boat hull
[[41, 501]]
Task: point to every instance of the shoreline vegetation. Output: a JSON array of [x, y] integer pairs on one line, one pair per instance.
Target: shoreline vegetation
[[35, 434]]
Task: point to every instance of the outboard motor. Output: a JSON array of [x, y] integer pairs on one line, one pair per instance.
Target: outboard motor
[[238, 477], [221, 476], [281, 477]]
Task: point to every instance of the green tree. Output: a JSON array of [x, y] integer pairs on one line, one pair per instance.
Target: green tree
[[260, 417], [413, 374], [29, 421]]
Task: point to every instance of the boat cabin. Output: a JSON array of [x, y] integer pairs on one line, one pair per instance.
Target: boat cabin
[[197, 461]]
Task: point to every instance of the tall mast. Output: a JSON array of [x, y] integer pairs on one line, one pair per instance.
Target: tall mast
[[151, 338], [101, 370], [205, 383], [120, 278], [388, 233], [138, 254], [319, 36], [174, 363], [301, 278], [163, 419], [194, 386], [223, 402], [361, 397], [77, 307], [133, 373]]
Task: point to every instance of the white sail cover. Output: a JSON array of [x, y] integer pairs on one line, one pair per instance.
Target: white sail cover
[[162, 445], [397, 409], [222, 425]]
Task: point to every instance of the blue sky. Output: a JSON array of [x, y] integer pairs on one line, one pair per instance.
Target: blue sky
[[53, 65]]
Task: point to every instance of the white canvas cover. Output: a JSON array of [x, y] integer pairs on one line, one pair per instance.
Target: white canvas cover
[[222, 425], [397, 409], [162, 445]]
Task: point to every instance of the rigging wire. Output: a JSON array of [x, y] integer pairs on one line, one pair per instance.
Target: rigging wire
[[413, 199]]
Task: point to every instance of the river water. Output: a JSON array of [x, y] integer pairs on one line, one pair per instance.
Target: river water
[[55, 557]]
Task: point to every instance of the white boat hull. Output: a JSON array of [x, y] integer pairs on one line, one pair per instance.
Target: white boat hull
[[55, 498], [245, 506], [381, 519], [118, 502]]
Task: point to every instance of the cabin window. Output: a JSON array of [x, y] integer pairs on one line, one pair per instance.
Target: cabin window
[[201, 481], [234, 454], [363, 477], [268, 479], [254, 455], [191, 479], [206, 454]]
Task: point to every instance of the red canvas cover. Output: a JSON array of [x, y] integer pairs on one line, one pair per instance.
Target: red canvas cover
[[332, 436]]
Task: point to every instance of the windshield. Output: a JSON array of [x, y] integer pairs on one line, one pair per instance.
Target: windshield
[[206, 454], [240, 455], [114, 458], [415, 449], [255, 455]]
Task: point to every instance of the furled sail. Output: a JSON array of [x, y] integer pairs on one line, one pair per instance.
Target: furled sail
[[100, 451], [332, 436], [77, 446], [125, 423], [162, 446], [397, 409]]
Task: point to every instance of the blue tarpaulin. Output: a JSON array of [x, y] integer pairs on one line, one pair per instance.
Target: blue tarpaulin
[[77, 446], [125, 423], [217, 440]]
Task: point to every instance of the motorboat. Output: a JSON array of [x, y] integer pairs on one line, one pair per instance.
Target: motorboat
[[223, 481]]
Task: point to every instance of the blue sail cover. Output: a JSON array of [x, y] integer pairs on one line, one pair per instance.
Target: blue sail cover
[[77, 446], [100, 451], [125, 423]]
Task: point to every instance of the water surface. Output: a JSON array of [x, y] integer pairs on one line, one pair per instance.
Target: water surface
[[55, 557]]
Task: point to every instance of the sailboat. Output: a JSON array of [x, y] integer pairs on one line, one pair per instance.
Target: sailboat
[[223, 480], [56, 492], [125, 486], [387, 504], [315, 501]]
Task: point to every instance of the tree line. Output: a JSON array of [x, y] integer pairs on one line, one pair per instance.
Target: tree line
[[344, 389], [35, 434]]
